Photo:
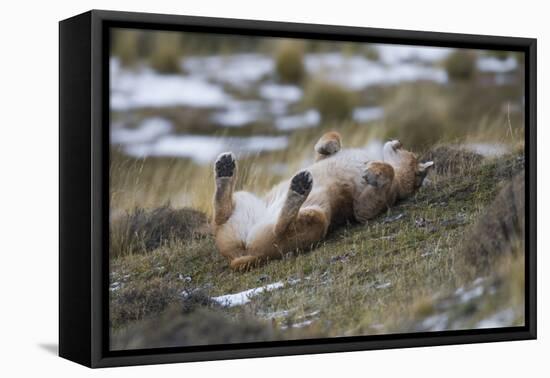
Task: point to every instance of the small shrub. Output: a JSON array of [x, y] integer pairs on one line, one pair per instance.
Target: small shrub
[[125, 46], [145, 230], [289, 62], [166, 52], [499, 54], [371, 53], [460, 65], [333, 102]]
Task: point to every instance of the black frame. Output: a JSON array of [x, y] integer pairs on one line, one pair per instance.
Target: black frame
[[84, 188]]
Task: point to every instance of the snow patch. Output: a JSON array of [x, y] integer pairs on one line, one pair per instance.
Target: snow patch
[[243, 297], [238, 70], [204, 149], [303, 324], [395, 54], [435, 323], [504, 318], [367, 114], [149, 130], [145, 88], [384, 285], [238, 113], [492, 64], [488, 149], [310, 118], [357, 72], [287, 93], [471, 294]]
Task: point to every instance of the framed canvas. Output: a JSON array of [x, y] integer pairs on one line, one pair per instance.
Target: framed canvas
[[234, 188]]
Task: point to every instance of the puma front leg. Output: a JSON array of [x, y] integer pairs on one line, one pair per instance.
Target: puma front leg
[[225, 171]]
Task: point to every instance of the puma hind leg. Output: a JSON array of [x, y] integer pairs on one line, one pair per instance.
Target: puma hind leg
[[308, 227], [378, 193], [329, 144]]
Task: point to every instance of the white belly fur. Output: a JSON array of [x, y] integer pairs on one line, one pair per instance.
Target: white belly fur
[[252, 213]]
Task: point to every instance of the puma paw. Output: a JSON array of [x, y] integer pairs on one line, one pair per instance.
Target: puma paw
[[225, 165], [329, 144], [378, 174], [302, 183]]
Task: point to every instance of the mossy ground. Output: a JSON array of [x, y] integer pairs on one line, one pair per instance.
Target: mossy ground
[[388, 276]]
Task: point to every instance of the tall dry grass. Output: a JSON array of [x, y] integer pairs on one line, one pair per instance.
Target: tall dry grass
[[154, 182]]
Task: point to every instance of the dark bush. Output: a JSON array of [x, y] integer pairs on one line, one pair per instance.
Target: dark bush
[[166, 52], [145, 230], [460, 65], [125, 46], [289, 62], [334, 102]]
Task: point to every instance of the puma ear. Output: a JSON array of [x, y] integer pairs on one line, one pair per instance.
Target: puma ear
[[423, 167]]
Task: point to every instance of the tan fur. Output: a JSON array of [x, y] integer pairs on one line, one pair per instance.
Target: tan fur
[[329, 144], [342, 185], [223, 203], [379, 194]]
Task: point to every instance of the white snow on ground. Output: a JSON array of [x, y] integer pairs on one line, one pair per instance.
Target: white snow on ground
[[147, 131], [239, 70], [278, 107], [115, 286], [238, 113], [303, 324], [492, 64], [204, 149], [395, 54], [277, 314], [467, 295], [357, 72], [203, 85], [367, 114], [306, 320], [310, 118], [288, 93], [243, 297], [488, 149], [436, 322], [503, 318], [145, 88], [383, 285]]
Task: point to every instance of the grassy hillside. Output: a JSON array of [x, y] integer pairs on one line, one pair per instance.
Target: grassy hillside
[[414, 268]]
